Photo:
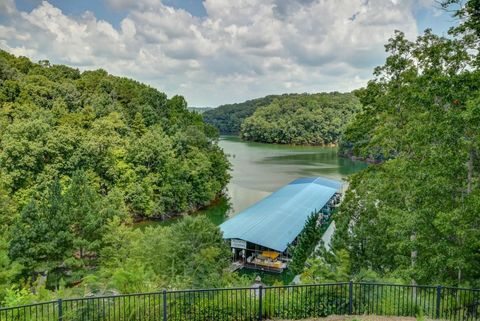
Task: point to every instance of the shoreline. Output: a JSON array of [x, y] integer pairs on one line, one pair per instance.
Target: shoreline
[[279, 144], [174, 216]]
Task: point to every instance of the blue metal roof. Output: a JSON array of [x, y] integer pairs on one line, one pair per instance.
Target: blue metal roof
[[276, 221]]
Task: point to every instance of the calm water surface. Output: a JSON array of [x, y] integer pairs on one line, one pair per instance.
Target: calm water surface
[[260, 169]]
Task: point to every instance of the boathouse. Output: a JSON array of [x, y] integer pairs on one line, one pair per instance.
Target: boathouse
[[260, 235]]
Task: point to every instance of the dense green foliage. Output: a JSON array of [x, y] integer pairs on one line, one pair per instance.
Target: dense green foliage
[[189, 254], [81, 155], [305, 244], [301, 119], [128, 137], [416, 215], [229, 118], [63, 228], [355, 140]]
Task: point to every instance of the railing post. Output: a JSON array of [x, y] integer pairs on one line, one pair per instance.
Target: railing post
[[260, 299], [350, 297], [60, 309], [439, 300], [164, 305]]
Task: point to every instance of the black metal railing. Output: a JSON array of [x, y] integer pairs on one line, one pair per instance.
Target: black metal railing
[[242, 304]]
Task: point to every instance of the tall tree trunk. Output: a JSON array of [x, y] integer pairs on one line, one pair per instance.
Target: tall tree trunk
[[471, 154]]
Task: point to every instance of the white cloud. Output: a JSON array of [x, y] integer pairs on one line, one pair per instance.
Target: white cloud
[[241, 49], [7, 6]]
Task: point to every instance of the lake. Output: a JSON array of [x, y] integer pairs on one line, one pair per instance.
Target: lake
[[260, 169]]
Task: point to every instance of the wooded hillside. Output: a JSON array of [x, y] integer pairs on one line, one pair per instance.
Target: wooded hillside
[[128, 138], [302, 119], [416, 215], [229, 118], [81, 155]]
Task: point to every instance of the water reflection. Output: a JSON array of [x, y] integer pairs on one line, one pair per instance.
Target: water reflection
[[260, 169]]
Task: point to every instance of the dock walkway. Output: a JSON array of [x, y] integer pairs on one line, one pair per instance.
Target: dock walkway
[[235, 266]]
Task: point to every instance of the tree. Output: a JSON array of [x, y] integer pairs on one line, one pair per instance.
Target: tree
[[326, 267], [63, 231], [305, 244], [192, 252], [55, 120], [41, 238], [189, 254], [469, 14], [301, 119], [81, 152], [86, 222], [407, 216], [138, 125], [9, 270]]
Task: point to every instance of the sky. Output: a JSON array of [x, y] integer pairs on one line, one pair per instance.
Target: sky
[[218, 51]]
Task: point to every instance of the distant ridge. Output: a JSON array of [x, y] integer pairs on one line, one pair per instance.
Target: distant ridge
[[298, 119], [199, 110], [228, 118]]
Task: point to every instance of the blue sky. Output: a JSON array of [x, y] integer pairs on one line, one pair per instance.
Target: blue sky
[[105, 11], [218, 51]]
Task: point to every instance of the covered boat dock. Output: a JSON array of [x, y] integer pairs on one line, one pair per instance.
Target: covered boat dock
[[260, 235]]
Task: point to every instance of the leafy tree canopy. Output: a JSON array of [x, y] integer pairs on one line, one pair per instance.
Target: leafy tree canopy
[[301, 119], [190, 254], [415, 215], [82, 153], [128, 137], [229, 118]]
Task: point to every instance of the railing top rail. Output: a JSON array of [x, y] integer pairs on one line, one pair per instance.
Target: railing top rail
[[419, 286], [399, 285], [461, 289], [263, 287], [112, 296], [28, 305], [304, 285]]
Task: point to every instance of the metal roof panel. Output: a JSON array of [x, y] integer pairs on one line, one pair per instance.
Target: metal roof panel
[[276, 221]]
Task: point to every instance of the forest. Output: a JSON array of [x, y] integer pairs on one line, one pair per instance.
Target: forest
[[297, 119], [415, 215], [127, 138], [301, 119], [83, 155], [229, 118]]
